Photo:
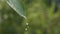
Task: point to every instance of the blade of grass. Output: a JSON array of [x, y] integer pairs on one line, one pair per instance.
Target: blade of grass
[[17, 6]]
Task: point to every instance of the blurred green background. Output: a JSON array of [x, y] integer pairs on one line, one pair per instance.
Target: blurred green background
[[41, 16]]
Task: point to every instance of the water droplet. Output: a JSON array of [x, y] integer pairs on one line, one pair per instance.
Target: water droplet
[[26, 29], [27, 23], [27, 26]]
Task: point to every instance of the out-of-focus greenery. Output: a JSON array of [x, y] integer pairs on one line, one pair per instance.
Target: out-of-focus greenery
[[40, 15]]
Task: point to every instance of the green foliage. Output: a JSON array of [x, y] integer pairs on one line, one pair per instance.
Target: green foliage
[[41, 17]]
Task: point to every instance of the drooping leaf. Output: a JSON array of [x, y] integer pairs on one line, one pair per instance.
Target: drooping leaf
[[17, 6]]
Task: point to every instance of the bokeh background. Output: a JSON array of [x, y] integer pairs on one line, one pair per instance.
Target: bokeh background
[[43, 17]]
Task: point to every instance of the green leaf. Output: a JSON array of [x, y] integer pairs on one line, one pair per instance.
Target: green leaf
[[17, 6]]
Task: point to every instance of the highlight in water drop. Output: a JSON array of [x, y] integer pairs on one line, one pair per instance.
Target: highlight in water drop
[[26, 29], [27, 23]]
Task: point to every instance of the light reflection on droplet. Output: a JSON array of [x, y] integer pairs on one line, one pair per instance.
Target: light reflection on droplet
[[27, 23], [26, 29], [27, 26]]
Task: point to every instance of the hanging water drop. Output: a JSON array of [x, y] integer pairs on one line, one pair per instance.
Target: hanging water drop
[[25, 29], [27, 26]]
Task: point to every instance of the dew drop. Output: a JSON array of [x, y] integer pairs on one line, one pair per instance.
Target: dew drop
[[27, 23], [26, 29], [27, 26]]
